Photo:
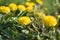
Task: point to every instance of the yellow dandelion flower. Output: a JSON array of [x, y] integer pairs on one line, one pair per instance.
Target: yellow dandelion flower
[[21, 7], [24, 20], [58, 16], [39, 2], [29, 3], [50, 21], [30, 9], [13, 6], [5, 9]]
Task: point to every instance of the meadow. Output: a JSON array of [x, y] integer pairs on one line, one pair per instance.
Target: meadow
[[29, 19]]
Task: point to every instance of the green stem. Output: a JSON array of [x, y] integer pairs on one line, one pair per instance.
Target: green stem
[[19, 14], [23, 13]]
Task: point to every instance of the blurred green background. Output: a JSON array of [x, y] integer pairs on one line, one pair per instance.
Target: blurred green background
[[3, 2]]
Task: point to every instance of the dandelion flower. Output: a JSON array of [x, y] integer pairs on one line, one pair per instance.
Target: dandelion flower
[[4, 9], [39, 2], [29, 3], [30, 9], [50, 21], [13, 6], [24, 20], [21, 7]]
